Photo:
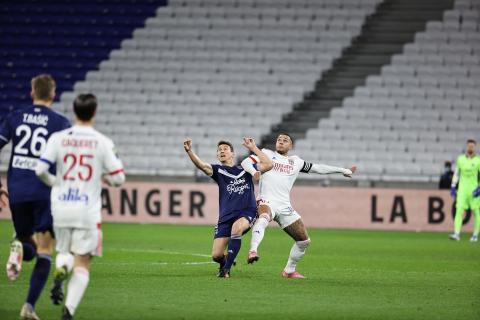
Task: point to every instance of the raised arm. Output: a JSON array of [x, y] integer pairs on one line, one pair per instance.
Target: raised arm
[[199, 163], [264, 163]]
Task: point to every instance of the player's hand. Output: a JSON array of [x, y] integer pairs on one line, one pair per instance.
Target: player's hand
[[256, 176], [453, 192], [476, 192], [187, 145], [249, 143], [353, 169], [3, 198]]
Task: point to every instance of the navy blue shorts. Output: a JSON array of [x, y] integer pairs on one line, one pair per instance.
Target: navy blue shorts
[[32, 216], [224, 229]]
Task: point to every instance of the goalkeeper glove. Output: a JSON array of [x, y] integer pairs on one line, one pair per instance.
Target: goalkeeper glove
[[476, 193], [453, 192]]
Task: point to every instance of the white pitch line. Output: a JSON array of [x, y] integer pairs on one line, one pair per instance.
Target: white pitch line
[[159, 251], [153, 263], [198, 263]]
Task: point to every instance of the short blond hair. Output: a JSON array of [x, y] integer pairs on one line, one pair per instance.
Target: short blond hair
[[43, 87]]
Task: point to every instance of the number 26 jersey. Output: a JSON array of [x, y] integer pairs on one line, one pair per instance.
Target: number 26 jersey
[[29, 129], [82, 156]]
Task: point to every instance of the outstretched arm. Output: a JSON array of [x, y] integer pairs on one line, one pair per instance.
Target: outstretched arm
[[264, 163], [325, 169], [199, 163]]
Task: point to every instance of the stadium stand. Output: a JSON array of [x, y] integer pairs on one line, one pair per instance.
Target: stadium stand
[[418, 112], [63, 38], [221, 69], [215, 70]]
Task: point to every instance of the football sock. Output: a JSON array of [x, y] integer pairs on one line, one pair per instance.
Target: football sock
[[458, 220], [233, 247], [76, 288], [296, 253], [39, 278], [476, 223], [258, 231], [29, 251]]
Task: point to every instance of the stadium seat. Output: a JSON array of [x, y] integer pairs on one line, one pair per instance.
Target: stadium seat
[[226, 68], [424, 99]]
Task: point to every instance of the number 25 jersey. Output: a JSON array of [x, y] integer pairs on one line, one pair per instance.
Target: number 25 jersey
[[29, 129], [82, 155]]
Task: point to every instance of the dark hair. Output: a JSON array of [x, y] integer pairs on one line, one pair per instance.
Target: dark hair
[[285, 134], [448, 164], [43, 87], [472, 141], [84, 106], [226, 143]]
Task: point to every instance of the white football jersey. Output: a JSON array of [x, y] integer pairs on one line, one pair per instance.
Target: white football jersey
[[82, 155], [275, 185]]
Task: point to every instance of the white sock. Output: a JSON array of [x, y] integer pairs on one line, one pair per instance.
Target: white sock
[[64, 260], [296, 253], [76, 288], [258, 231]]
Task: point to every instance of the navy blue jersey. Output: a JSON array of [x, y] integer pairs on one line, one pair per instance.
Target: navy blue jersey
[[235, 191], [29, 129]]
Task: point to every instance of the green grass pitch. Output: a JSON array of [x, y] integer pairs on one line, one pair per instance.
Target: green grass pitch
[[164, 272]]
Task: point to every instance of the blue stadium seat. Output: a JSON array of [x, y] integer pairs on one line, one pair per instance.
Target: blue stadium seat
[[64, 38]]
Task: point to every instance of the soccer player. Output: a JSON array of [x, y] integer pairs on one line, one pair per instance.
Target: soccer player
[[82, 156], [236, 198], [29, 129], [467, 174], [274, 199]]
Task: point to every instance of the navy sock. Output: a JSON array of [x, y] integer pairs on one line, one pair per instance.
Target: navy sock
[[29, 251], [233, 248], [39, 278]]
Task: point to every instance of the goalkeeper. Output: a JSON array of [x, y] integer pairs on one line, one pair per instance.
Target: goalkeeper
[[467, 174]]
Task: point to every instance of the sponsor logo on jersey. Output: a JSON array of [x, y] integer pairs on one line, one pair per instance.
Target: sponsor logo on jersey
[[21, 162], [73, 195], [283, 168], [237, 186]]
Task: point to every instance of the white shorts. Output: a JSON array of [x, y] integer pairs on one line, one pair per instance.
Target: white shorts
[[283, 215], [79, 241]]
